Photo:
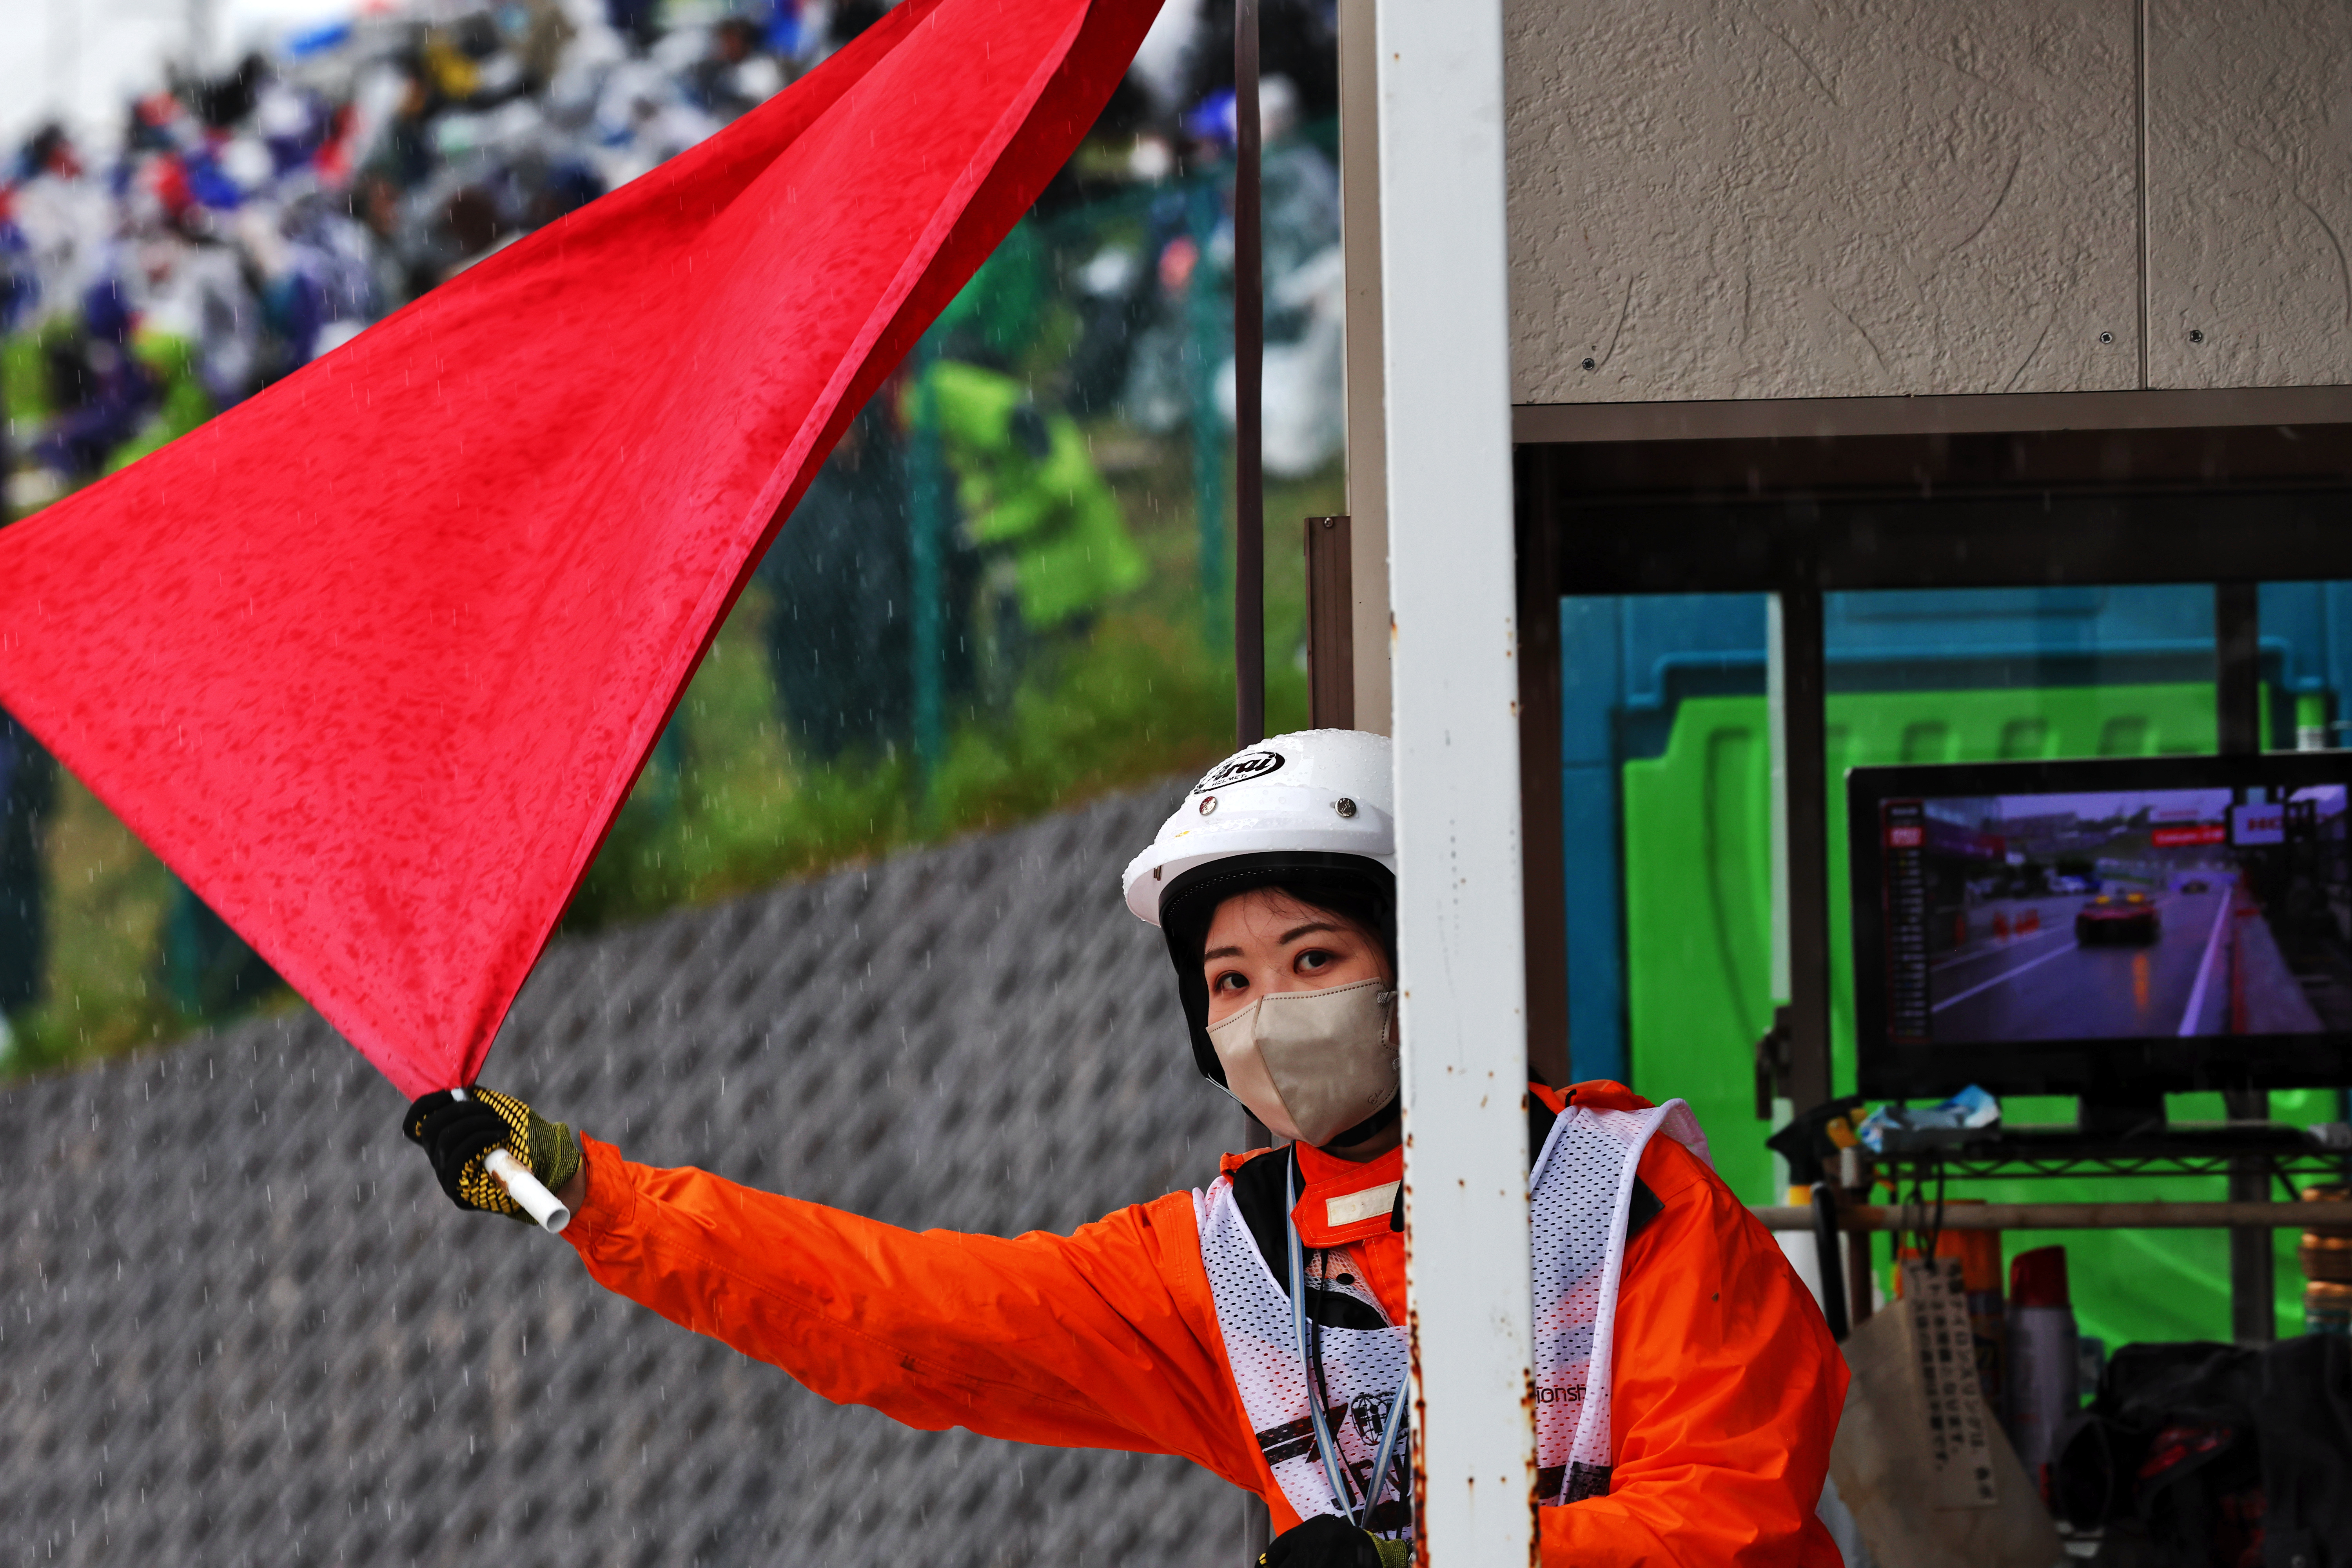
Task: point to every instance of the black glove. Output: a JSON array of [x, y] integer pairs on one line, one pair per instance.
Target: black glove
[[1327, 1540], [456, 1133]]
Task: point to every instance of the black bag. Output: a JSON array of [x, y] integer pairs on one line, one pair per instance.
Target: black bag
[[2222, 1458]]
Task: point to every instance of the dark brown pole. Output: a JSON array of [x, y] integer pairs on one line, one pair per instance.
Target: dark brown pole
[[1802, 701], [1249, 423], [1249, 393], [1541, 834], [2238, 725], [1249, 494]]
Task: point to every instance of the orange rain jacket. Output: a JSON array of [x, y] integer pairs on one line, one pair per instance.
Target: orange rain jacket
[[1727, 1385]]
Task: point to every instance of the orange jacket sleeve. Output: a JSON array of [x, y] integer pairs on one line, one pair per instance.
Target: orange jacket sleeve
[[1095, 1339], [1728, 1390]]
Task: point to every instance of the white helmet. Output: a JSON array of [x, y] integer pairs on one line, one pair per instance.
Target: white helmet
[[1314, 792], [1309, 812]]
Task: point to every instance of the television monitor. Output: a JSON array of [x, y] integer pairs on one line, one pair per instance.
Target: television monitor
[[2113, 929]]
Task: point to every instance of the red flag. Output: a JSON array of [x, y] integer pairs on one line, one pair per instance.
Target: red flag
[[371, 659]]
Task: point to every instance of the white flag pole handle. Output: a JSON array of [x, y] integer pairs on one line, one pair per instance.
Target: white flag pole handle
[[522, 1186], [527, 1190]]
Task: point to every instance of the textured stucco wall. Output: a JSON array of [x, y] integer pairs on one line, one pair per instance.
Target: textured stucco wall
[[2249, 194], [1809, 198], [1785, 199]]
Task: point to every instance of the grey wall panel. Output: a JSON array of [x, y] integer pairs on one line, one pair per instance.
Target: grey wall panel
[[2249, 194], [1784, 199], [239, 1324]]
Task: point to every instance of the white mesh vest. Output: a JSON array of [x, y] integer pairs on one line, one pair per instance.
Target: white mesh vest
[[1582, 1193]]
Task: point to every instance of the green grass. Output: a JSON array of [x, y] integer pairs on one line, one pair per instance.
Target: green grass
[[107, 898]]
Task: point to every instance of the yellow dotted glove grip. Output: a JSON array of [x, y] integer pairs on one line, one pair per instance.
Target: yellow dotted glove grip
[[548, 1148]]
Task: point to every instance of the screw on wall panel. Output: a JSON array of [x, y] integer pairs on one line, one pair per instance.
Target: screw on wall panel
[[2196, 335], [1345, 806], [2106, 337], [1588, 365]]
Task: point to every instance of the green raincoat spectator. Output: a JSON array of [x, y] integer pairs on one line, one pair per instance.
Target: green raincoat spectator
[[1027, 484]]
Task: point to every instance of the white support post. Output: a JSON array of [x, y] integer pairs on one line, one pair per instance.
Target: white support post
[[1447, 356]]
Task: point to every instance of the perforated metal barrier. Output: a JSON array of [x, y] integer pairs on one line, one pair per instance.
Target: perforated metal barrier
[[240, 1325]]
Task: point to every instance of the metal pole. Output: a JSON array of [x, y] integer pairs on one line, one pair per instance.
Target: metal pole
[[1542, 828], [2238, 728], [1445, 344], [1804, 726], [1249, 391], [1249, 489], [1804, 744]]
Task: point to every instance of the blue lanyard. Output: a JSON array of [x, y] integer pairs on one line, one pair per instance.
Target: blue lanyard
[[1325, 1447]]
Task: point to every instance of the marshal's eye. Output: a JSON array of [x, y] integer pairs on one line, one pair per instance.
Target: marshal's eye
[[1230, 981]]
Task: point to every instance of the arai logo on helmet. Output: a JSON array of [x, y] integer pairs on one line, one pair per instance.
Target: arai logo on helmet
[[1240, 770]]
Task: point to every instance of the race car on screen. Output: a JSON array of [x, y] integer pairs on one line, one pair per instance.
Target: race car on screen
[[2117, 917]]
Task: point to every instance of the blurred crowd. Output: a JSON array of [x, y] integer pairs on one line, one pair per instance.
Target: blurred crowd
[[236, 225], [241, 225]]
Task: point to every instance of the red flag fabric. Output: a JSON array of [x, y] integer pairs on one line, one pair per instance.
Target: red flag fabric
[[371, 659]]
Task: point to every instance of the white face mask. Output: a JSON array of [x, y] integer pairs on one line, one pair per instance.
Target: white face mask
[[1312, 1064]]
